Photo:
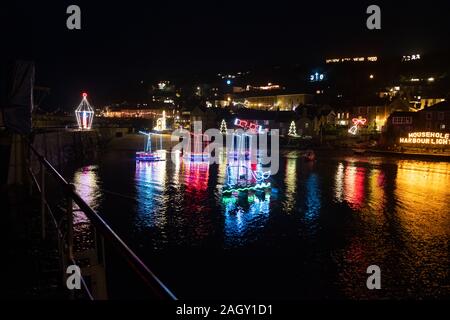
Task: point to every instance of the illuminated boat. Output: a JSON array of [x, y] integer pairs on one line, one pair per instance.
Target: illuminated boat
[[239, 155], [197, 145], [148, 154], [240, 150], [196, 157], [242, 178]]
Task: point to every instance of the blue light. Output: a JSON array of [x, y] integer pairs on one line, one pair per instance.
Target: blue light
[[316, 77], [228, 82]]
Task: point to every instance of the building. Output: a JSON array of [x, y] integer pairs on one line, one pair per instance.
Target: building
[[434, 118], [426, 128], [377, 112], [266, 101]]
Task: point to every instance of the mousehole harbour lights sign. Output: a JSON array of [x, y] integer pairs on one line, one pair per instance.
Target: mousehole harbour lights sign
[[433, 138], [84, 114]]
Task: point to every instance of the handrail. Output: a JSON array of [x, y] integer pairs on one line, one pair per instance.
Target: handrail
[[155, 284]]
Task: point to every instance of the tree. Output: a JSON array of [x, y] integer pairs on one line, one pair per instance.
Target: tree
[[223, 127], [292, 129]]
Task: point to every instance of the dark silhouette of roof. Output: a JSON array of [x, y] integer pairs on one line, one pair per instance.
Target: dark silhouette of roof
[[441, 106], [251, 114]]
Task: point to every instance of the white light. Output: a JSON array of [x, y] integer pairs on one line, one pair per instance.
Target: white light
[[371, 76], [84, 114], [431, 79], [161, 123]]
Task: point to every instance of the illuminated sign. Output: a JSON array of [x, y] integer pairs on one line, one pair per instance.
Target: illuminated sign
[[354, 59], [316, 77], [438, 138], [357, 122], [248, 125], [412, 57]]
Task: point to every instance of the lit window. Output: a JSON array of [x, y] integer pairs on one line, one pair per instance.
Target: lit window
[[442, 126]]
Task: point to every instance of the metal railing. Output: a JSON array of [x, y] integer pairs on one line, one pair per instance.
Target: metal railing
[[66, 237]]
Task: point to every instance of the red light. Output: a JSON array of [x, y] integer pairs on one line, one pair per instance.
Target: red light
[[84, 94], [357, 121]]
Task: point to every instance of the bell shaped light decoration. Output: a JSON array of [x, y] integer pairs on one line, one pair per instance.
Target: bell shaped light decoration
[[84, 114]]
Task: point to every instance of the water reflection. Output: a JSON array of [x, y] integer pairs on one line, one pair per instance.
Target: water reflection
[[87, 185], [290, 182], [342, 213], [423, 194], [245, 213], [403, 226], [313, 200], [150, 181]]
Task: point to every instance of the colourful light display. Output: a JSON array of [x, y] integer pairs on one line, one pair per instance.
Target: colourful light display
[[248, 125], [356, 123], [196, 154], [243, 177], [84, 114], [241, 148], [257, 186], [148, 154]]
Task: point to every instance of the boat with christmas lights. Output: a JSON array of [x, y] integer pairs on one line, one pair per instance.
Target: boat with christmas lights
[[148, 154], [242, 178], [198, 143], [241, 147]]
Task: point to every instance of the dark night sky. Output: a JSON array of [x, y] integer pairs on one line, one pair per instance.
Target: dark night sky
[[123, 42]]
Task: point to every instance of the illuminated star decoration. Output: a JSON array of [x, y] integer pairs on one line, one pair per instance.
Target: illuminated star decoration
[[356, 123], [84, 114]]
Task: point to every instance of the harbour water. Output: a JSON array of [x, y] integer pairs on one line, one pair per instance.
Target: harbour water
[[313, 236]]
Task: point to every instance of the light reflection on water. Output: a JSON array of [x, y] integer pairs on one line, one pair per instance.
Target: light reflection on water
[[402, 225], [344, 213], [87, 185], [242, 213], [150, 181]]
